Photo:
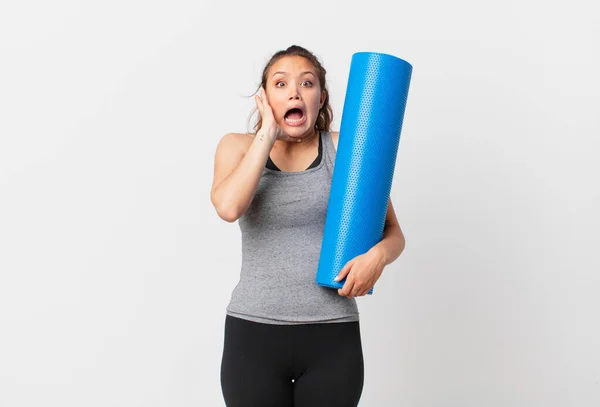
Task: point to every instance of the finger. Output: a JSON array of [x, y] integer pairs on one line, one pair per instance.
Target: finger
[[360, 289], [347, 288], [344, 271], [364, 292], [356, 290], [265, 108], [341, 293], [259, 102], [263, 94]]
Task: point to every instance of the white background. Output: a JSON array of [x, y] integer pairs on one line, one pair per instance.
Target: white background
[[115, 269]]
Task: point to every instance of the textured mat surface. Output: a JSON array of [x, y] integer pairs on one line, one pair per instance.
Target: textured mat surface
[[365, 160]]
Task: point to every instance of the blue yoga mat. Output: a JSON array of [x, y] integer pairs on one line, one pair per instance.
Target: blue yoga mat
[[365, 160]]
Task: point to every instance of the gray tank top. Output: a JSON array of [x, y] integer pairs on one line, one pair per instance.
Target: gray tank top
[[282, 231]]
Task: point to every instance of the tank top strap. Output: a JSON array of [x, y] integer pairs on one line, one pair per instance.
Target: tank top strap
[[329, 152]]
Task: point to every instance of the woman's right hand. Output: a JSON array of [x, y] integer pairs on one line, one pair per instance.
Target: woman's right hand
[[269, 125]]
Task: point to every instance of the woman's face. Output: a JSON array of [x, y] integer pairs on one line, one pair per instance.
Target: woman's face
[[295, 95]]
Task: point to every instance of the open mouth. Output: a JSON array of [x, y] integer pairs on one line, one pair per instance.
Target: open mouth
[[295, 117]]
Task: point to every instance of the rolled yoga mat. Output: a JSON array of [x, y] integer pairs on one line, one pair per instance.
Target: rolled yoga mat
[[365, 160]]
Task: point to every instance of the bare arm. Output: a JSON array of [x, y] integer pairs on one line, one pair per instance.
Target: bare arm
[[392, 244], [236, 174]]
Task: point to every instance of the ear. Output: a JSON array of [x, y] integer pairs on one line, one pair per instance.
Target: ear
[[322, 101]]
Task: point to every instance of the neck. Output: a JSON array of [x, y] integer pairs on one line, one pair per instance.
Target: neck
[[301, 144]]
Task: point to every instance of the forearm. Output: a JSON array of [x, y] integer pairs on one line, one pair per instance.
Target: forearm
[[391, 245]]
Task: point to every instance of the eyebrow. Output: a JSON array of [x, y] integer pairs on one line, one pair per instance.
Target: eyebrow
[[305, 72]]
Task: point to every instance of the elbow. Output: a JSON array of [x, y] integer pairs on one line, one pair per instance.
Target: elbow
[[228, 216], [402, 243], [226, 212]]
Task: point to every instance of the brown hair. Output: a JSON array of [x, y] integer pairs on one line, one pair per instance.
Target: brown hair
[[325, 115]]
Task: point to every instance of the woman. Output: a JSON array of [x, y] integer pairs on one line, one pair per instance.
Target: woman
[[289, 341]]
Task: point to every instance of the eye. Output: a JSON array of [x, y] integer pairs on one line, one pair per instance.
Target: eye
[[309, 82], [277, 83]]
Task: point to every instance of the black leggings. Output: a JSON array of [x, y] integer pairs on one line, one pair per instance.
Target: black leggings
[[308, 365]]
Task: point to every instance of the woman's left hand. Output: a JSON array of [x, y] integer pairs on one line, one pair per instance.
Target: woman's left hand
[[362, 272]]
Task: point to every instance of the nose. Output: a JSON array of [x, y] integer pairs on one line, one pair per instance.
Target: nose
[[294, 94]]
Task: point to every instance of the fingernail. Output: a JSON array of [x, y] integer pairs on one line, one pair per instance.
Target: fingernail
[[336, 279]]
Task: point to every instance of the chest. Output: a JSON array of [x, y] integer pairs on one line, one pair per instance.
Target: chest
[[284, 202]]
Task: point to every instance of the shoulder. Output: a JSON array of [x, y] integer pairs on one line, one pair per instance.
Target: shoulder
[[335, 136], [236, 142]]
